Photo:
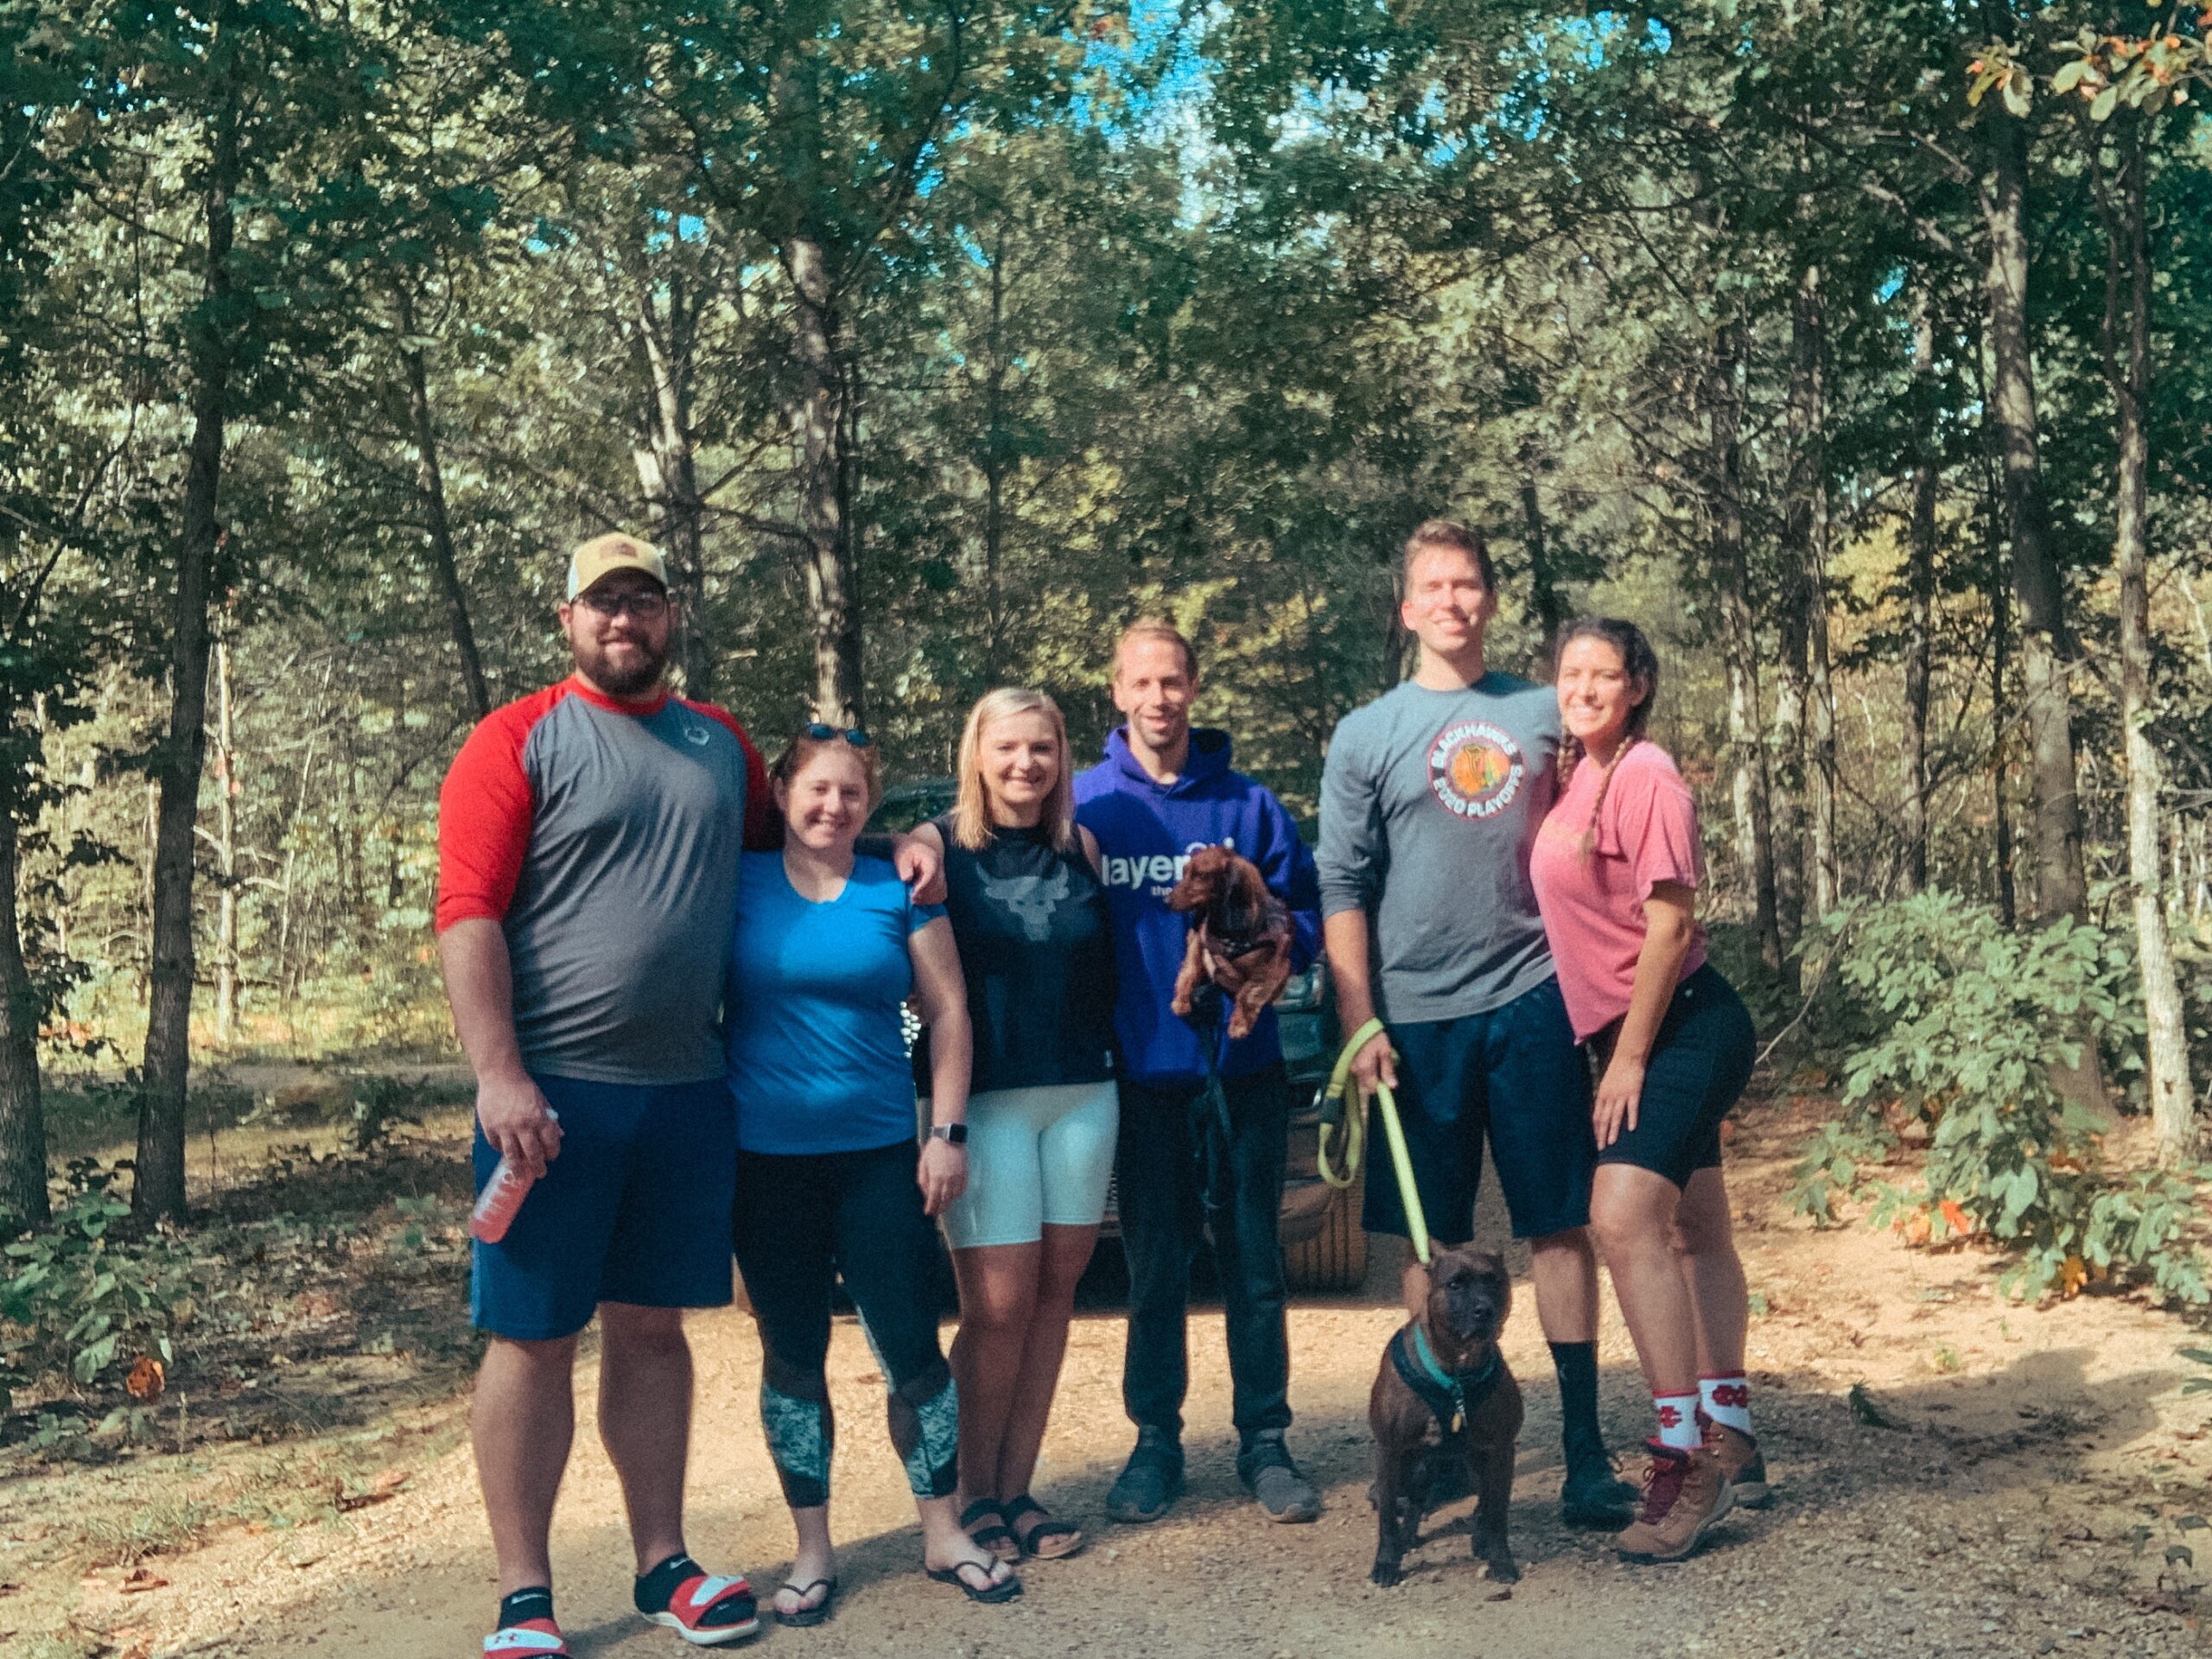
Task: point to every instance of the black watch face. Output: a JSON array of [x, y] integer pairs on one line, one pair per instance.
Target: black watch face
[[955, 1133]]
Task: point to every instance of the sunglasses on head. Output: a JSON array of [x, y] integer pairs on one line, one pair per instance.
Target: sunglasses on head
[[819, 733]]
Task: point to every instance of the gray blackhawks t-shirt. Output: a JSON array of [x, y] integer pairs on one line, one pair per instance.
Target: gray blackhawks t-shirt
[[1430, 803]]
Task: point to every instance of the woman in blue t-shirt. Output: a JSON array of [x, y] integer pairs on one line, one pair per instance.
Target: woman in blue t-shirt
[[1029, 915], [828, 949]]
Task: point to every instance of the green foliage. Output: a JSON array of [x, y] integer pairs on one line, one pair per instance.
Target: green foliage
[[1966, 1025], [381, 1101], [80, 1300], [1832, 1163], [2198, 1383]]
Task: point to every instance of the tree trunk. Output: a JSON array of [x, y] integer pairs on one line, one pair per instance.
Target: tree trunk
[[995, 449], [1809, 512], [819, 430], [1547, 606], [226, 851], [1754, 821], [158, 1188], [430, 479], [668, 467], [2001, 645], [1785, 749], [22, 1109], [1920, 607], [2061, 885], [2128, 366]]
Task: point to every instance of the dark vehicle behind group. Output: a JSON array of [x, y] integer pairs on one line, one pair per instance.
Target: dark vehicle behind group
[[1318, 1225]]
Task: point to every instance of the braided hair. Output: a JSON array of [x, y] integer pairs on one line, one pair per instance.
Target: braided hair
[[1642, 664]]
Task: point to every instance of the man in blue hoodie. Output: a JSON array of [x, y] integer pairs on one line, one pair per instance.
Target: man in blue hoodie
[[1188, 1154]]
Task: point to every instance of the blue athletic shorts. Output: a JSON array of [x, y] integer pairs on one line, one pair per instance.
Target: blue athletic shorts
[[1514, 1072], [636, 1209]]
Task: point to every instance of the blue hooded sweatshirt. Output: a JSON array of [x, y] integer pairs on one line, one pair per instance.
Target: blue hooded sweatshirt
[[1147, 831]]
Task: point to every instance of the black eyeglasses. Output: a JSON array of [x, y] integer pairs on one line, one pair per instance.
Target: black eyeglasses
[[644, 604], [819, 733]]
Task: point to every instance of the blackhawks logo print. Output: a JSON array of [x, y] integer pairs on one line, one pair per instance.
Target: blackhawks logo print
[[1475, 768]]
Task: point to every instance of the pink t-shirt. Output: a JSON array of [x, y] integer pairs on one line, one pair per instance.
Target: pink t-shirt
[[1593, 907]]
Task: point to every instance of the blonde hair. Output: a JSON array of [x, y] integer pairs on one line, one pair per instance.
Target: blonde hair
[[971, 808], [1157, 627]]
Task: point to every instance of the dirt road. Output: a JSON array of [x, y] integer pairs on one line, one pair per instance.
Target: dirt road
[[1999, 1515]]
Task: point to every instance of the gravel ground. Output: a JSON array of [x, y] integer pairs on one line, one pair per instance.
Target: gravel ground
[[2034, 1469]]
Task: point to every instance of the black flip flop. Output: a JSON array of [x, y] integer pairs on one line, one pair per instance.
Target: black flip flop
[[996, 1537], [815, 1615], [991, 1595], [1050, 1526]]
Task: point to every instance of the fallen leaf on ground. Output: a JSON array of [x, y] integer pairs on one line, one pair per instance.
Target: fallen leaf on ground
[[141, 1580], [385, 1486]]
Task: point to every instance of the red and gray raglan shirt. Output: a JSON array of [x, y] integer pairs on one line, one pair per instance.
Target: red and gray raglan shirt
[[603, 837]]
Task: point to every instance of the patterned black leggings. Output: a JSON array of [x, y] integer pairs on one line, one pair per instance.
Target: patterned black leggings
[[801, 1222]]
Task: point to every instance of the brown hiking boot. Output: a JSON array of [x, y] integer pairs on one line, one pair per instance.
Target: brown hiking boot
[[1684, 1493], [1742, 1461]]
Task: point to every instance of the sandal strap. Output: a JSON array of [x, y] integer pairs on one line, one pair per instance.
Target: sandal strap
[[1052, 1525]]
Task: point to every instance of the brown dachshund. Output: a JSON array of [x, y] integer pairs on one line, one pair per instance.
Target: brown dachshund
[[1239, 936], [1446, 1412]]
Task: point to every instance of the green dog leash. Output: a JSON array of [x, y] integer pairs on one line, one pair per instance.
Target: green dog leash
[[1350, 1130]]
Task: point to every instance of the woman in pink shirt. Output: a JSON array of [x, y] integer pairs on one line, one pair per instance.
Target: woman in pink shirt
[[1615, 868]]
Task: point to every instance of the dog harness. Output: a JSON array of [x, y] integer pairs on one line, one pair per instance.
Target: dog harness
[[1451, 1396]]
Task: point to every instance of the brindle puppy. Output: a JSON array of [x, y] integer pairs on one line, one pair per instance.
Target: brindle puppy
[[1468, 1298]]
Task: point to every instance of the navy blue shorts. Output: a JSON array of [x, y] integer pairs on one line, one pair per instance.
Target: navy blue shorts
[[1700, 1063], [1514, 1073], [636, 1209]]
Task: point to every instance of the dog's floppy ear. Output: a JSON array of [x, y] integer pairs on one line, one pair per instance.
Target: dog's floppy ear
[[1203, 875]]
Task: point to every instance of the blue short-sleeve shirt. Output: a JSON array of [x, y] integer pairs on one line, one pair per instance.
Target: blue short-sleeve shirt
[[818, 1055]]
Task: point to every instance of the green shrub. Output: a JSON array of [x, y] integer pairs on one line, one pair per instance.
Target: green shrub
[[77, 1300], [1963, 1026], [1832, 1164]]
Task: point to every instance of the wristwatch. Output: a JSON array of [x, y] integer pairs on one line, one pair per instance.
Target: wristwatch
[[951, 1134]]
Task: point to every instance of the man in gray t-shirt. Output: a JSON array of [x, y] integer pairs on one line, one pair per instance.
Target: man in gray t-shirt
[[1442, 790], [1431, 798]]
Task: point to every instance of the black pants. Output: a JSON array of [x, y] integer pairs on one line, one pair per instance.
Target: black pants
[[801, 1222], [1173, 1190]]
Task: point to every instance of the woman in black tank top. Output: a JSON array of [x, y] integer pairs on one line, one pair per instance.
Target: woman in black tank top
[[1029, 917]]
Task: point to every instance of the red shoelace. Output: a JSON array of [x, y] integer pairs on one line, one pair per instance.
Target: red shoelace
[[1662, 1484]]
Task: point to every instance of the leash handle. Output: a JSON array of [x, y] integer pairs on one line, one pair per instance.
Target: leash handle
[[1350, 1126], [1386, 1105]]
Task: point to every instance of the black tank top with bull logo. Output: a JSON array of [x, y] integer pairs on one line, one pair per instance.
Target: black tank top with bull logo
[[1030, 921]]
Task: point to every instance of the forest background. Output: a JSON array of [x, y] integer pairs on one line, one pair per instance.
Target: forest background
[[1858, 348]]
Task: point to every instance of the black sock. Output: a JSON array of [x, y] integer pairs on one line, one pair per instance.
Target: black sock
[[1577, 1364], [656, 1588], [537, 1602]]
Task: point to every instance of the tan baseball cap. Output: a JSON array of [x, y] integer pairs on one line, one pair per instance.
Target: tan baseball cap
[[602, 556]]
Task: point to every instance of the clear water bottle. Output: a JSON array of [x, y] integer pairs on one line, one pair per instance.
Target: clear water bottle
[[502, 1196]]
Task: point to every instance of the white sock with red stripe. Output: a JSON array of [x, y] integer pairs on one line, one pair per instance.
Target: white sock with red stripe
[[1677, 1416], [1727, 1400]]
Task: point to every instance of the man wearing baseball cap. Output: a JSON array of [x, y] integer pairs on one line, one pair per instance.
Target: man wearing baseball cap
[[587, 855]]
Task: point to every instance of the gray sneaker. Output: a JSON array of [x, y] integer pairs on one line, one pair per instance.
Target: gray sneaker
[[1151, 1481], [1267, 1471]]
